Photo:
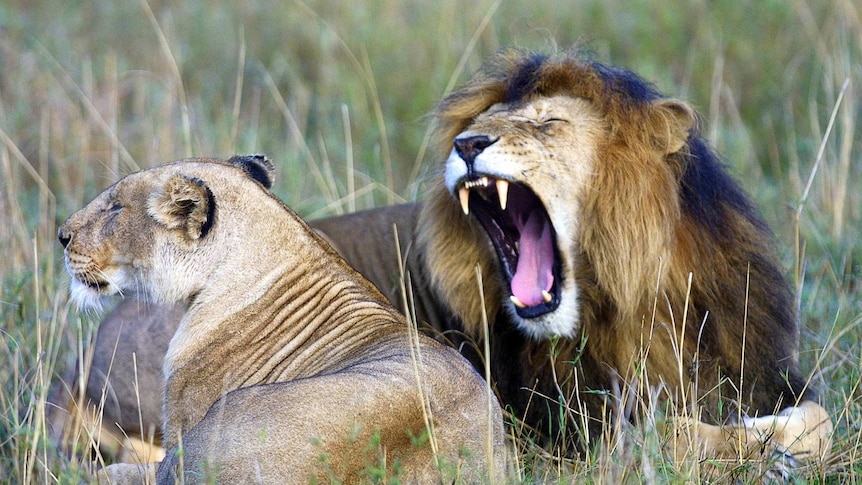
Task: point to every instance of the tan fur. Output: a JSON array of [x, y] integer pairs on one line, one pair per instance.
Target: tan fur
[[285, 353]]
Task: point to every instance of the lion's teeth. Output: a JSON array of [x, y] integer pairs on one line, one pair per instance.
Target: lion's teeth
[[503, 192], [464, 195], [518, 303], [546, 296], [479, 182]]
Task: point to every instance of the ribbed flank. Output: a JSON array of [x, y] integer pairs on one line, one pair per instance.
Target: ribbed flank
[[287, 338]]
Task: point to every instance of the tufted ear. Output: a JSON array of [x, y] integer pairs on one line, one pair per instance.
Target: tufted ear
[[257, 166], [184, 203], [672, 121]]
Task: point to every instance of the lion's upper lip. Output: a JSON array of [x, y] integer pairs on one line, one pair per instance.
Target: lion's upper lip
[[96, 284], [90, 279], [93, 282], [523, 236]]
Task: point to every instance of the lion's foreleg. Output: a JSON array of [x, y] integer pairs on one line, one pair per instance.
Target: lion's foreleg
[[803, 431]]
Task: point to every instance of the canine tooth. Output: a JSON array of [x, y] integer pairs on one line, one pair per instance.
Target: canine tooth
[[503, 192], [464, 195], [546, 296], [518, 303]]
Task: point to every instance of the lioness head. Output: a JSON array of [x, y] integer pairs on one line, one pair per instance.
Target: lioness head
[[148, 233], [532, 140]]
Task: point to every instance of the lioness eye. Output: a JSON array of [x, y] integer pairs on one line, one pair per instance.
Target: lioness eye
[[113, 211]]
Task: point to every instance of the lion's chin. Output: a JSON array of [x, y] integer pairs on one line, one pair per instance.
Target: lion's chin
[[88, 298], [562, 322]]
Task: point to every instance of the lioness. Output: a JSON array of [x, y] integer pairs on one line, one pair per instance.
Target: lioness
[[632, 256], [284, 354]]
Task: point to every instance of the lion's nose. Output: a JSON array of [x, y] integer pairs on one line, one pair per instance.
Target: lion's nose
[[64, 236], [469, 147]]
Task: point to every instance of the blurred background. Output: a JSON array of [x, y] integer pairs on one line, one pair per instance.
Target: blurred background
[[339, 94]]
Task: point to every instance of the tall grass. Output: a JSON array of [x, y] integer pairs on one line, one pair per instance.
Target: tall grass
[[338, 93]]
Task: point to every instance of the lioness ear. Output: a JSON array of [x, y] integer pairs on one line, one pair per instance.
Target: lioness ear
[[257, 166], [183, 203], [672, 122]]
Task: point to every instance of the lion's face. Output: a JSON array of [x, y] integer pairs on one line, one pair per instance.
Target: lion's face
[[147, 234], [523, 172], [569, 175]]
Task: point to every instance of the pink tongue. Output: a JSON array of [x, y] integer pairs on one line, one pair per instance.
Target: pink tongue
[[535, 261]]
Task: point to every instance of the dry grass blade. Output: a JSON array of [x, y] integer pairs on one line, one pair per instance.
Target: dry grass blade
[[801, 205], [486, 342], [416, 352], [453, 80], [178, 79]]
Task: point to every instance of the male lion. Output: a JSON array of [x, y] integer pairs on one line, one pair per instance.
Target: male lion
[[598, 214], [614, 249], [284, 354]]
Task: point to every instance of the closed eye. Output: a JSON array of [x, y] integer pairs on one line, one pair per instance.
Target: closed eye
[[111, 214], [547, 124]]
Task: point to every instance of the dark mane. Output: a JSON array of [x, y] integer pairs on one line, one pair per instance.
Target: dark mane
[[628, 86], [706, 185], [522, 83]]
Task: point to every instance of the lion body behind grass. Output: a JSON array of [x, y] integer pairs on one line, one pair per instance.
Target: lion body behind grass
[[287, 365], [659, 272], [651, 260]]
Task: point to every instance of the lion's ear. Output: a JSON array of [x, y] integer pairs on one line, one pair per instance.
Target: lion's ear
[[184, 203], [672, 122], [257, 167]]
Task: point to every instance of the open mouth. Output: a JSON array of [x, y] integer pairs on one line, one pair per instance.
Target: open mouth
[[523, 237]]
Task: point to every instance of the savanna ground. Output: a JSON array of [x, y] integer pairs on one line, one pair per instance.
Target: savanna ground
[[338, 93]]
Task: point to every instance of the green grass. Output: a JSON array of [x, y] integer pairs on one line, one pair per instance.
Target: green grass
[[338, 94]]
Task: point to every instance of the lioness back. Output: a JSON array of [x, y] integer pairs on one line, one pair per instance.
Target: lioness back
[[269, 420]]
